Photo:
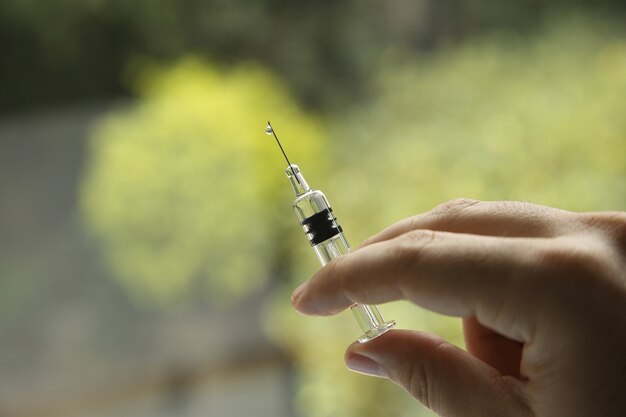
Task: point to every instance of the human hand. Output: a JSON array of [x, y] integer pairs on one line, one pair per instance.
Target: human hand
[[542, 294]]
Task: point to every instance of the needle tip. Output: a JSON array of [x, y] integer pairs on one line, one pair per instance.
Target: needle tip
[[270, 131]]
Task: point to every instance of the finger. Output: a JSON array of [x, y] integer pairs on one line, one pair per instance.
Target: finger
[[495, 218], [499, 352], [454, 274], [441, 376]]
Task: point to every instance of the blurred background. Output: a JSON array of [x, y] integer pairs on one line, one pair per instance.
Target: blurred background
[[147, 244]]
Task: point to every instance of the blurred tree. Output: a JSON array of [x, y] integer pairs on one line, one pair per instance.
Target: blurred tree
[[181, 188], [538, 119], [327, 51], [63, 51]]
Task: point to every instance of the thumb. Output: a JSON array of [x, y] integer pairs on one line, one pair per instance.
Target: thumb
[[441, 376]]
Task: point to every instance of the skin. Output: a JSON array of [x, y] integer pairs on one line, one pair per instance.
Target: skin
[[542, 295]]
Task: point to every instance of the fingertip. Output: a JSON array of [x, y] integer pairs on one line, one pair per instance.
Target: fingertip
[[321, 295], [296, 301], [304, 301]]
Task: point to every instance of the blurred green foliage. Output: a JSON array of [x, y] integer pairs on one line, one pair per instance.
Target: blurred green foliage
[[75, 49], [537, 118], [185, 189], [182, 186], [327, 51]]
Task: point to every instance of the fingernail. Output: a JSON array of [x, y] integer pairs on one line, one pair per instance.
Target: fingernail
[[297, 293], [363, 365]]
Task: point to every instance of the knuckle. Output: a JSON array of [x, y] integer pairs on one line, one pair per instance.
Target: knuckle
[[332, 280], [573, 264], [564, 258], [419, 237], [412, 244], [416, 382], [576, 276], [454, 207], [334, 269], [408, 252], [332, 272], [420, 378], [613, 224], [414, 379], [415, 222]]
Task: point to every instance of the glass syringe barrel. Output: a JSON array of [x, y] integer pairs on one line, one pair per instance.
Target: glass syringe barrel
[[328, 241]]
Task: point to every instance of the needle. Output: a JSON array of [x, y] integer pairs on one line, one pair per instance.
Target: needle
[[270, 131]]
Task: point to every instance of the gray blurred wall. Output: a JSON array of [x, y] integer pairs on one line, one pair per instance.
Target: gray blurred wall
[[72, 343]]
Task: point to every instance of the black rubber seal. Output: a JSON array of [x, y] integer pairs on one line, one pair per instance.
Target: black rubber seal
[[321, 226]]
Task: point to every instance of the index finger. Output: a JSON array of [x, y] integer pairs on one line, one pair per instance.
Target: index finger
[[454, 274], [493, 218]]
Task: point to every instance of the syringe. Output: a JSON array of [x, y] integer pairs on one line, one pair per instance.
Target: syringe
[[327, 239]]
